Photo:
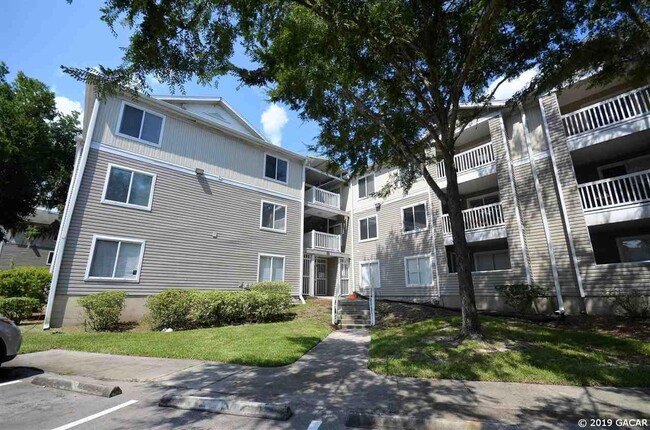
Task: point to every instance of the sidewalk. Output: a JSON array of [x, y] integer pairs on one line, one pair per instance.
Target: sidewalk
[[334, 376]]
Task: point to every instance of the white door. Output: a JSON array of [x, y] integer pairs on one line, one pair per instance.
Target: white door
[[345, 276], [321, 276]]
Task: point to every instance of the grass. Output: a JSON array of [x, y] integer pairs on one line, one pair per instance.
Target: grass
[[273, 344], [515, 351]]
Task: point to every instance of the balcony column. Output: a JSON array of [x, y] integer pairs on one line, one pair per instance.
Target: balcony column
[[312, 274]]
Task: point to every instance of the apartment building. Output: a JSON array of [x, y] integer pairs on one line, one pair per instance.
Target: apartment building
[[182, 192], [19, 249]]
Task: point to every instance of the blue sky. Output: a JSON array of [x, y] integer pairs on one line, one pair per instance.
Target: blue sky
[[41, 35]]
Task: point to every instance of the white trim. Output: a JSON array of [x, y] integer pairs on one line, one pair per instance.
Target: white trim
[[369, 239], [367, 196], [390, 200], [426, 218], [105, 201], [71, 200], [268, 154], [482, 196], [144, 110], [361, 263], [284, 264], [302, 236], [119, 240], [183, 169], [48, 262], [491, 252], [520, 162], [620, 249], [433, 240], [406, 272], [286, 216]]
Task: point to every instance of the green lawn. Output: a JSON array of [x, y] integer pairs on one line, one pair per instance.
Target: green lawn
[[516, 351], [274, 344]]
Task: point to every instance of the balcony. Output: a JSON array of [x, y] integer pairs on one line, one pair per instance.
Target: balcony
[[472, 164], [481, 223], [617, 199], [323, 203], [615, 117], [318, 240]]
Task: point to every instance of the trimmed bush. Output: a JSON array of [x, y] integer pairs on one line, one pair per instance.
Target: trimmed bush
[[171, 309], [280, 287], [520, 297], [632, 303], [26, 281], [103, 310], [18, 309]]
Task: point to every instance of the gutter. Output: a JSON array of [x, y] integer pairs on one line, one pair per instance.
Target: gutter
[[302, 233], [71, 200]]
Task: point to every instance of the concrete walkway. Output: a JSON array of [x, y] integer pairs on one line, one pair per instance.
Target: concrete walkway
[[334, 376]]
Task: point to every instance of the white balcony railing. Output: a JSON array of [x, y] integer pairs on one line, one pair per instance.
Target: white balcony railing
[[478, 218], [618, 191], [475, 157], [323, 197], [323, 241], [607, 112]]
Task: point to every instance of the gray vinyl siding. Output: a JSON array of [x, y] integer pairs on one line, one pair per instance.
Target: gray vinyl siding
[[23, 255], [180, 251], [193, 145]]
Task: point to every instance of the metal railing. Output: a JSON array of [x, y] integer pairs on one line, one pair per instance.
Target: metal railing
[[323, 197], [372, 306], [607, 112], [475, 157], [617, 191], [325, 241], [478, 218]]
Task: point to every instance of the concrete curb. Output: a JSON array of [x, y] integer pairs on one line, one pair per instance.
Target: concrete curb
[[281, 412], [76, 386], [370, 421]]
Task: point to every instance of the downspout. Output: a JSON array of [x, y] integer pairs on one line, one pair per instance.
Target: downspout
[[71, 200], [542, 208], [565, 217], [351, 232], [302, 232]]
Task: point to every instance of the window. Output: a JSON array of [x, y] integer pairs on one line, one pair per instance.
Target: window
[[492, 260], [50, 258], [370, 274], [414, 218], [276, 168], [418, 271], [271, 268], [636, 248], [274, 217], [484, 200], [127, 187], [115, 259], [368, 228], [141, 125], [366, 185]]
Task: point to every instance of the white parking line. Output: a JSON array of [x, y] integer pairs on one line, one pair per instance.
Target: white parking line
[[314, 425], [97, 415], [9, 383]]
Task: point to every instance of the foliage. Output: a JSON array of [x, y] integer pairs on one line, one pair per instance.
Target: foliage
[[103, 310], [183, 309], [283, 287], [631, 303], [37, 149], [520, 297], [26, 281], [18, 309]]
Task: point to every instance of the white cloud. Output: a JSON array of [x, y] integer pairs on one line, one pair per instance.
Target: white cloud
[[65, 106], [274, 118], [509, 88]]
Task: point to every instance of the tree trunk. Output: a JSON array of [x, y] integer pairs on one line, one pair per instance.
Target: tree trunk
[[471, 326]]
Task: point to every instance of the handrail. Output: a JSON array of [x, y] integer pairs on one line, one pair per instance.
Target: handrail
[[371, 305], [323, 197], [478, 218], [321, 240], [617, 191], [470, 159]]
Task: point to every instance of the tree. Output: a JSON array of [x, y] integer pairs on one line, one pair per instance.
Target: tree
[[391, 82], [37, 147]]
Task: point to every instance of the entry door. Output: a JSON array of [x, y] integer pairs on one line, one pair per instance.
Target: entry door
[[321, 276], [345, 276]]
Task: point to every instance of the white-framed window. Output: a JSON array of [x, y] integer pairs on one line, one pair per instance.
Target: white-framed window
[[483, 200], [414, 218], [273, 217], [418, 271], [50, 258], [634, 248], [276, 168], [115, 259], [368, 228], [270, 267], [369, 271], [366, 185], [128, 187], [141, 124], [485, 261]]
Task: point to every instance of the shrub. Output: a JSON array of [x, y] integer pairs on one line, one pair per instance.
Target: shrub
[[171, 309], [632, 303], [18, 309], [280, 287], [520, 297], [103, 310], [25, 281]]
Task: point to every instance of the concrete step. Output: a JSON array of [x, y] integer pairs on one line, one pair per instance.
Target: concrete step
[[348, 321], [354, 326], [353, 307], [359, 312]]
